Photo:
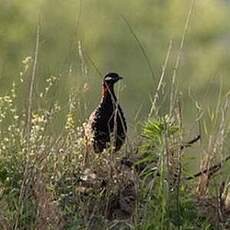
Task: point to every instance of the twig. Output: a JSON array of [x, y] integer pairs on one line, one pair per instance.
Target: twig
[[140, 46], [215, 168], [188, 19], [188, 144], [93, 63]]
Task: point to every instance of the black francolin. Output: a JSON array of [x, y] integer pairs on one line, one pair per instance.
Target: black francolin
[[106, 127]]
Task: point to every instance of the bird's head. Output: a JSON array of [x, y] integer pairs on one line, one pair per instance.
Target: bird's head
[[108, 82], [111, 78]]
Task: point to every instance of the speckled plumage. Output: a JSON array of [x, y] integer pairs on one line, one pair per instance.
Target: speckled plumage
[[107, 125]]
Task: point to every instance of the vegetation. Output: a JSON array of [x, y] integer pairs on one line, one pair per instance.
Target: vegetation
[[75, 33], [167, 176], [46, 183]]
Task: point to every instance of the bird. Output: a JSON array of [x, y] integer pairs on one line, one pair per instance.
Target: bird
[[106, 126]]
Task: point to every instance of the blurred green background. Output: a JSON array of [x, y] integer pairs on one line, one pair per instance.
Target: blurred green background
[[74, 33]]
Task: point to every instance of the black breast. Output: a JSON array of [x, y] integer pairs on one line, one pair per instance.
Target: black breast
[[108, 126]]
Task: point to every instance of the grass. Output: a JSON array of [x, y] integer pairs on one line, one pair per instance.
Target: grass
[[45, 183]]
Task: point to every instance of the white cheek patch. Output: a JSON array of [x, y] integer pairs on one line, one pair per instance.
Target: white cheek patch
[[108, 78]]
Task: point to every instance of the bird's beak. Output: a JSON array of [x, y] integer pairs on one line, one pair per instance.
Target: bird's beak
[[120, 78]]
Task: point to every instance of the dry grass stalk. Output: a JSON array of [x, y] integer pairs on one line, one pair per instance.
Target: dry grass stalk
[[4, 223], [215, 149], [202, 187], [32, 81], [216, 209], [48, 214], [160, 83]]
